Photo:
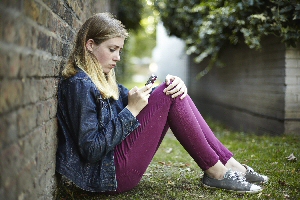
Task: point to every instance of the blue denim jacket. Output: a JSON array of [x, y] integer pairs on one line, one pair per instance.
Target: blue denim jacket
[[89, 128]]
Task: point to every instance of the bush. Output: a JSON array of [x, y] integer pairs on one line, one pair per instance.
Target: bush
[[208, 26]]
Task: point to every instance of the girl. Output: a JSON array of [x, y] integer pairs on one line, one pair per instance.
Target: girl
[[108, 134]]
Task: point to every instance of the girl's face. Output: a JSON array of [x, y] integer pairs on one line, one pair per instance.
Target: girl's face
[[107, 53]]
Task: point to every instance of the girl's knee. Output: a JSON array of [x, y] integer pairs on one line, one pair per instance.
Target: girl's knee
[[128, 180]]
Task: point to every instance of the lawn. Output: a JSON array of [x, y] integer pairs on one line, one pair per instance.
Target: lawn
[[174, 175]]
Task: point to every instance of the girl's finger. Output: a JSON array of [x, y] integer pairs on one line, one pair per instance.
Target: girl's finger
[[133, 90], [184, 94], [175, 89]]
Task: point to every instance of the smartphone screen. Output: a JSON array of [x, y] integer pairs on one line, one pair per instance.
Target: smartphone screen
[[151, 79]]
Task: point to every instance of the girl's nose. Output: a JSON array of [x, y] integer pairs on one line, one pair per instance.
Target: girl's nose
[[117, 57]]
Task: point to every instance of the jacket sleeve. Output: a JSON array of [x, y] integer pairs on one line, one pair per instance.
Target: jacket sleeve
[[96, 140], [123, 94]]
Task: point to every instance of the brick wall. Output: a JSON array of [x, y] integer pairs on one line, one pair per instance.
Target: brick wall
[[255, 91], [35, 40]]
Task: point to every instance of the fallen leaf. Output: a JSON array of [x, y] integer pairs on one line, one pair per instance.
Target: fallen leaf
[[161, 162], [147, 174], [171, 182], [282, 183], [291, 157], [169, 150], [259, 194]]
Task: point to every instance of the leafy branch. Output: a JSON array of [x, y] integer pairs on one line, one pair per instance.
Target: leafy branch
[[208, 26]]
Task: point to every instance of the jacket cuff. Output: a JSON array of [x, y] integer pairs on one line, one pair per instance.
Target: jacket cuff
[[131, 122]]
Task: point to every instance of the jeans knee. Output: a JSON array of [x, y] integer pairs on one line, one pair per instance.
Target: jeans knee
[[129, 180]]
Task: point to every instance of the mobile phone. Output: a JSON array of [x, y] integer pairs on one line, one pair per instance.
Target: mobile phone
[[151, 79]]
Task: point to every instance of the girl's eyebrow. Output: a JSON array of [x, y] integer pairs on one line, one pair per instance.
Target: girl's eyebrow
[[116, 46]]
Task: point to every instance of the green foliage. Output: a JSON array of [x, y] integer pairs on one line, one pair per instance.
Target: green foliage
[[140, 18], [207, 26], [130, 13]]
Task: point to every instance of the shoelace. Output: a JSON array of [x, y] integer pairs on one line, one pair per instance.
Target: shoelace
[[251, 171], [235, 176]]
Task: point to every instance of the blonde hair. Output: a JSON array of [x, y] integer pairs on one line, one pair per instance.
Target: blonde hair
[[100, 27]]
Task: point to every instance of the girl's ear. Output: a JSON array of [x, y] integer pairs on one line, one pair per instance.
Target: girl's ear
[[89, 45]]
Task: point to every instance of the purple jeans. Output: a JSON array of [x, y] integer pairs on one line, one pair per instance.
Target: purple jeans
[[135, 153]]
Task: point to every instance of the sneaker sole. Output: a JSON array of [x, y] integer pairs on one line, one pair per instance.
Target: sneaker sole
[[241, 192], [259, 182]]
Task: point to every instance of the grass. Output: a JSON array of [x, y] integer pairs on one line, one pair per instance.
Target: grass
[[174, 175]]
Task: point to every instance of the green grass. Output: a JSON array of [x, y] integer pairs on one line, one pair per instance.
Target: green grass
[[174, 175]]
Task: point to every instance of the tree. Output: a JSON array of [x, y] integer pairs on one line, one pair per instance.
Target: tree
[[140, 19], [129, 12], [208, 26]]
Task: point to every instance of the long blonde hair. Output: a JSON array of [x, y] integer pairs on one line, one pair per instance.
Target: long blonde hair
[[100, 27]]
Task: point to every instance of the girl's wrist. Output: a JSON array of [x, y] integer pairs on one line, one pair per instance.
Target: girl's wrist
[[133, 111]]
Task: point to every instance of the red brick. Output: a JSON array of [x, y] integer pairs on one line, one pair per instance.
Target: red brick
[[42, 113], [10, 166], [48, 88], [9, 31], [43, 17], [52, 107], [23, 33], [31, 90], [31, 9], [8, 130], [13, 60], [30, 65], [26, 119], [10, 91], [14, 4], [25, 185], [43, 41], [32, 41], [4, 64]]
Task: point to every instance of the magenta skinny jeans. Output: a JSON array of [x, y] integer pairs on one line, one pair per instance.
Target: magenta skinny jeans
[[135, 153]]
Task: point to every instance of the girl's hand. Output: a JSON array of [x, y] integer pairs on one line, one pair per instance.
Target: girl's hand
[[138, 99], [175, 87]]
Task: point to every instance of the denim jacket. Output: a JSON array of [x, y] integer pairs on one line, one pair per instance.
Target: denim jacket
[[89, 128]]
